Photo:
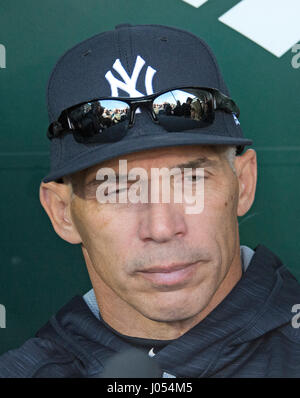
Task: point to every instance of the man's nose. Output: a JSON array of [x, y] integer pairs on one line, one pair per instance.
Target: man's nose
[[162, 222]]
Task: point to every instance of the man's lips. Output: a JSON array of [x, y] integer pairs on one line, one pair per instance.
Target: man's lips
[[167, 268], [170, 274]]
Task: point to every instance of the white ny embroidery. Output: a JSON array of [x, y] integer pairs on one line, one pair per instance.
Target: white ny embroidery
[[129, 83]]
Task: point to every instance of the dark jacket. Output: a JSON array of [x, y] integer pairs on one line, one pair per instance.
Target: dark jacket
[[249, 334]]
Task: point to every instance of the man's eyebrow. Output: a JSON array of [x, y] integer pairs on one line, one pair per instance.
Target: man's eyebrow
[[202, 161]]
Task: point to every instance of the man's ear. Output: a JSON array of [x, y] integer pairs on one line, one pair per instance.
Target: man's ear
[[246, 167], [56, 200]]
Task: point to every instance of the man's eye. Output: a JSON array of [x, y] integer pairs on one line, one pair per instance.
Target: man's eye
[[115, 191], [119, 190], [194, 178]]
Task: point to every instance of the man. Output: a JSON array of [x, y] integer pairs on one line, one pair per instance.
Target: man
[[175, 285]]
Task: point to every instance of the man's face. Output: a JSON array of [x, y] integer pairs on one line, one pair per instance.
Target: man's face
[[129, 247]]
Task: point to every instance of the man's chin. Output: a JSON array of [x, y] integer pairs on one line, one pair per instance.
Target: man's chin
[[174, 313]]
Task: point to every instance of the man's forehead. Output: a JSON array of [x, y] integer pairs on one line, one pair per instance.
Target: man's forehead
[[169, 156]]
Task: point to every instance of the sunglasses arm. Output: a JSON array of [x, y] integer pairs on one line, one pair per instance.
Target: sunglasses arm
[[226, 104]]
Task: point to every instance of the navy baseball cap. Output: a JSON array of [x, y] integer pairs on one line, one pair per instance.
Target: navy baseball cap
[[133, 61]]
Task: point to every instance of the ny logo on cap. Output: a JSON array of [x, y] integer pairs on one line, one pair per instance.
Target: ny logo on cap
[[129, 83]]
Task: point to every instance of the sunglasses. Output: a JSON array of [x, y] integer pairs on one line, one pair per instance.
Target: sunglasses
[[108, 119]]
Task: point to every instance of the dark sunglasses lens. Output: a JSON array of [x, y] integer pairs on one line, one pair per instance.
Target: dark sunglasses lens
[[99, 121], [184, 109]]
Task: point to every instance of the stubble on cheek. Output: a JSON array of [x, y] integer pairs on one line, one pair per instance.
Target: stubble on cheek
[[97, 244], [97, 226], [90, 220], [224, 218], [230, 191]]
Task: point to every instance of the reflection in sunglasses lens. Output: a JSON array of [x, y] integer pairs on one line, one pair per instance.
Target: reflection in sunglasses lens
[[189, 103], [96, 117]]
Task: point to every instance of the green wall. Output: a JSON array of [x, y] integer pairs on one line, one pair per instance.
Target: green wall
[[40, 272]]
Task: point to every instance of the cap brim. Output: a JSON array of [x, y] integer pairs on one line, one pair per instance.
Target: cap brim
[[109, 151]]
